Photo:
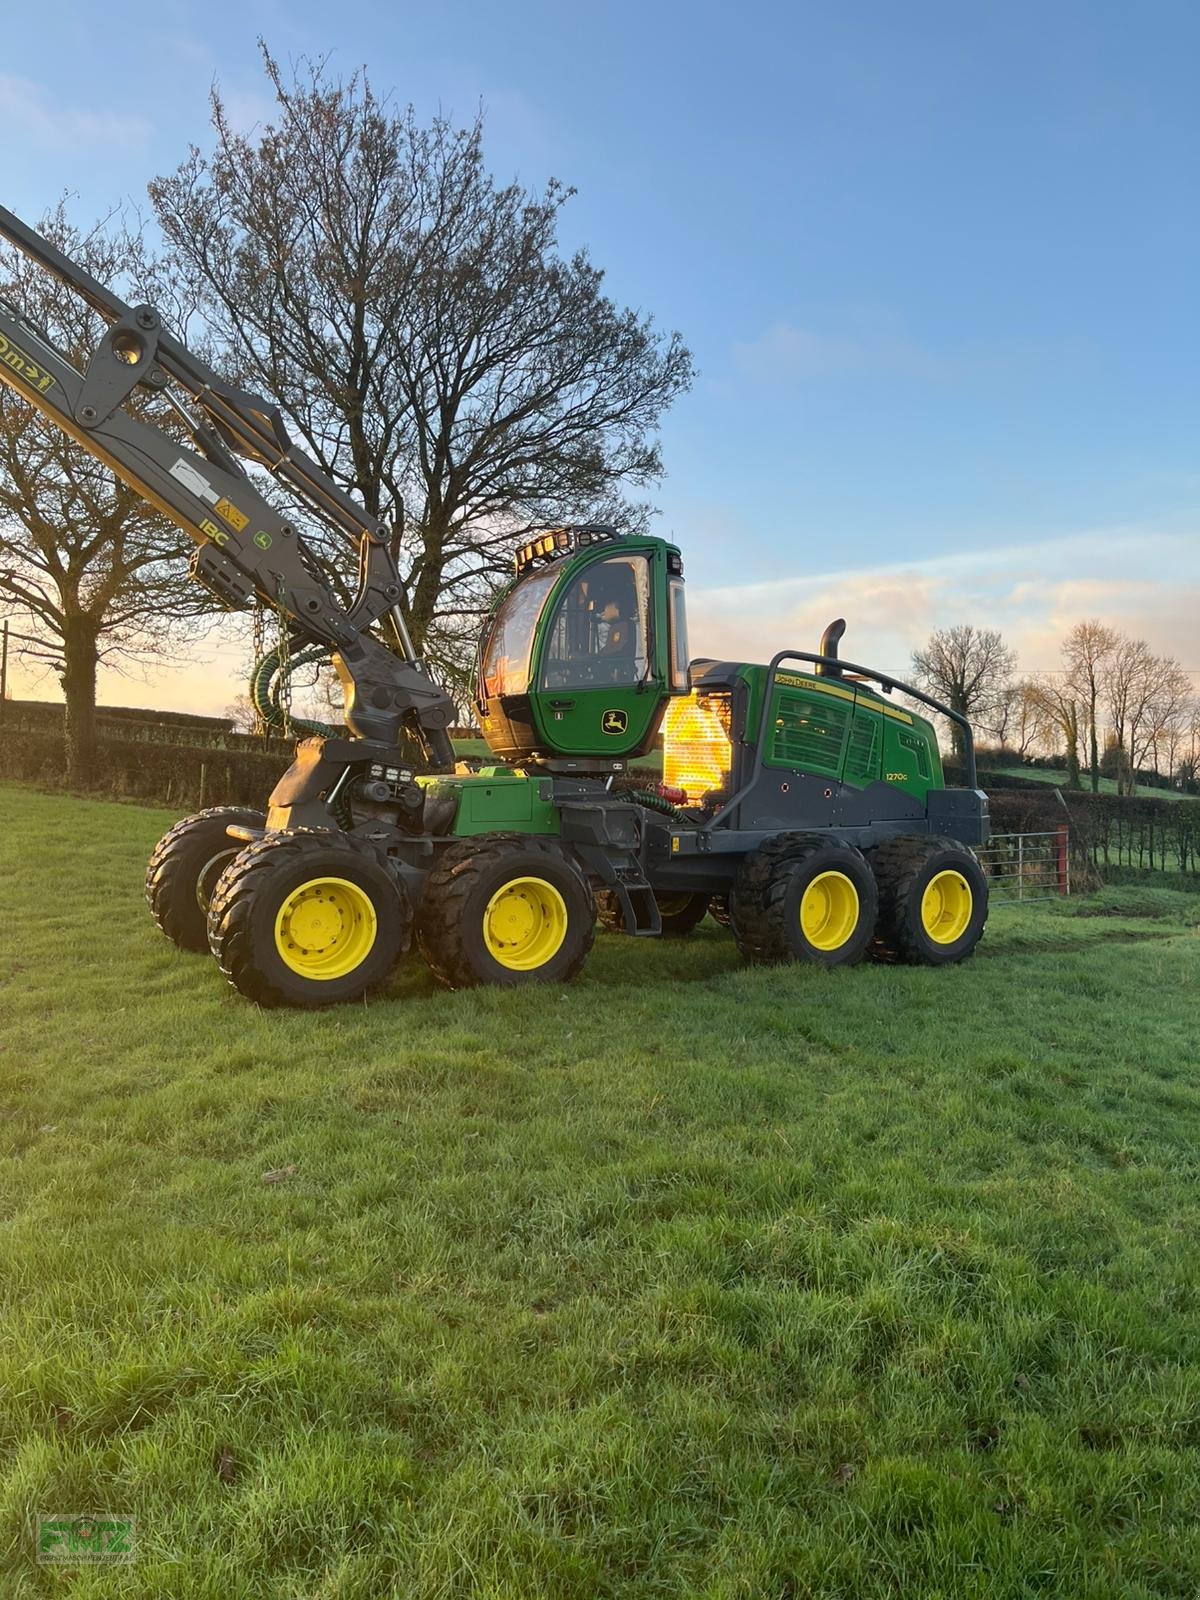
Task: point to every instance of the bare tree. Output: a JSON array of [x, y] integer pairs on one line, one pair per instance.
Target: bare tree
[[98, 575], [969, 669], [1146, 696], [1059, 709], [1087, 652], [421, 330], [1168, 712], [1029, 721], [1187, 767]]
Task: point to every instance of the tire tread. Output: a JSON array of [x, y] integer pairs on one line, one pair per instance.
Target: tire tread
[[449, 887]]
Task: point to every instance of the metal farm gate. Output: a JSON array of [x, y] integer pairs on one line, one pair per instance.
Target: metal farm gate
[[1026, 866]]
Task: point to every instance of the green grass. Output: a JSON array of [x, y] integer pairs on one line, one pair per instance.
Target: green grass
[[1051, 775], [687, 1280]]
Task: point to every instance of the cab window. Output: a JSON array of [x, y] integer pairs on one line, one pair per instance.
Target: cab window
[[600, 632], [506, 660]]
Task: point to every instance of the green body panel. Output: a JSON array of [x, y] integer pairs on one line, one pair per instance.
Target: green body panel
[[843, 730], [498, 802]]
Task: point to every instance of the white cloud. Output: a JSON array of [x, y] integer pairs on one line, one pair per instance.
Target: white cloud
[[1031, 592], [30, 109]]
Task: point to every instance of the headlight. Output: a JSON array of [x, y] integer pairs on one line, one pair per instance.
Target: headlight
[[697, 753]]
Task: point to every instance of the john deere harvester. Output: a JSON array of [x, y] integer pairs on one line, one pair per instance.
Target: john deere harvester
[[799, 802]]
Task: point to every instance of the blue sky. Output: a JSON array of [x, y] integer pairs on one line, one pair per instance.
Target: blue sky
[[938, 264]]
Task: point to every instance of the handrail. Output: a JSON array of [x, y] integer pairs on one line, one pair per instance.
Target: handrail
[[840, 669]]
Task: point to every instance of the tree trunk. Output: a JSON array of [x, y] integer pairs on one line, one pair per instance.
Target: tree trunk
[[1095, 753], [1072, 732], [79, 692], [423, 596], [1073, 766]]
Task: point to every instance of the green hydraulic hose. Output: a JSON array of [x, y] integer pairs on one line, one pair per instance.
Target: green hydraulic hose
[[265, 693], [655, 802]]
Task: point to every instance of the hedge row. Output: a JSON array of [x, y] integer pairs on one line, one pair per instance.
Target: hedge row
[[49, 714], [1107, 831], [186, 777], [122, 726], [1128, 831]]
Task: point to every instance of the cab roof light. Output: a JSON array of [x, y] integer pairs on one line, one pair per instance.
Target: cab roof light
[[557, 541]]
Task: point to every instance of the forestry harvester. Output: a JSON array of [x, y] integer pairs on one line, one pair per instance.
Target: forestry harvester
[[799, 804]]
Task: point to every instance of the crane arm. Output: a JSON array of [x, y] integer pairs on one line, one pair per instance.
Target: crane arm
[[245, 546]]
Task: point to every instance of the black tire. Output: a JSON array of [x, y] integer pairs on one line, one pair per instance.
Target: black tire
[[904, 869], [769, 894], [718, 910], [183, 871], [679, 913], [453, 926], [288, 869]]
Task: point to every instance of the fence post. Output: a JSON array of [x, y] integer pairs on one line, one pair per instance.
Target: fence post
[[1063, 858], [203, 775], [1020, 866], [4, 669]]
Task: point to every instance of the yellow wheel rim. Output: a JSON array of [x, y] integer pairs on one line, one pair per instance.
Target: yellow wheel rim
[[525, 924], [829, 911], [946, 906], [671, 905], [325, 928]]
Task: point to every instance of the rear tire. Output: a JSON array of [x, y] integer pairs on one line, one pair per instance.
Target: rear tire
[[308, 919], [679, 913], [505, 909], [804, 897], [182, 873], [933, 901]]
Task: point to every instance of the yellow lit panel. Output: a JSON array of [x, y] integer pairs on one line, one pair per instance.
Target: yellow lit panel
[[696, 750]]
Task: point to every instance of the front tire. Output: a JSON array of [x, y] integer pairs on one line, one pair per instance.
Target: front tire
[[182, 873], [933, 901], [505, 909], [804, 897], [308, 919]]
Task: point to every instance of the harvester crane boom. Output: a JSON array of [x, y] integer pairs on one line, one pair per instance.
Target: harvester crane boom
[[245, 546]]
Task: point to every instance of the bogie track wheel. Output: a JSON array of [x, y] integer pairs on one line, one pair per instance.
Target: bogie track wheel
[[308, 919], [718, 910], [679, 913], [183, 871], [505, 909], [804, 897], [933, 901]]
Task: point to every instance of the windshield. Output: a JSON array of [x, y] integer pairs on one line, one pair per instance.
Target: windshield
[[506, 661], [600, 630]]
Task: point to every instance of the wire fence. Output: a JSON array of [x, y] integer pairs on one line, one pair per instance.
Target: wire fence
[[1024, 867]]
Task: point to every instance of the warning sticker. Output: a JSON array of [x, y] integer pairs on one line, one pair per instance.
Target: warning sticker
[[235, 518]]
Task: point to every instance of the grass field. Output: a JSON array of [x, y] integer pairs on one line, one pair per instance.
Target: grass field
[[1050, 775], [687, 1280]]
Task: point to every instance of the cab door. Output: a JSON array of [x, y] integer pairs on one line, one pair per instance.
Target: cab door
[[599, 685]]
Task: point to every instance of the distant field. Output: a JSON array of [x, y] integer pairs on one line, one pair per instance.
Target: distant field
[[686, 1280], [1107, 785]]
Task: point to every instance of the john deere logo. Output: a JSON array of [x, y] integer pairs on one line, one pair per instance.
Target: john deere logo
[[615, 721]]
